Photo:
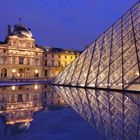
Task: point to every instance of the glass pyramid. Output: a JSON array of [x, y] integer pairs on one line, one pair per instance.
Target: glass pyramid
[[112, 61]]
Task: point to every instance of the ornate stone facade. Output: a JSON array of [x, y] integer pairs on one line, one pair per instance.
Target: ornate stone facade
[[19, 56], [56, 60]]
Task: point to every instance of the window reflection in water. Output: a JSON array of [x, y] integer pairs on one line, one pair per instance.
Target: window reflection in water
[[19, 103], [50, 97]]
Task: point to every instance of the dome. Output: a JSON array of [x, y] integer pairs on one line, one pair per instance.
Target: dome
[[18, 127], [21, 31]]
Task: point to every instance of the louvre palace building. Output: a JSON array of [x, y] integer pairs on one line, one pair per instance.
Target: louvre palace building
[[21, 58]]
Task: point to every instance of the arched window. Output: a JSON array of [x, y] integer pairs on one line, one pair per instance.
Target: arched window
[[4, 73]]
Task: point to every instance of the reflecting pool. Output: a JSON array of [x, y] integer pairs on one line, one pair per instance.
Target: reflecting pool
[[39, 112], [114, 114]]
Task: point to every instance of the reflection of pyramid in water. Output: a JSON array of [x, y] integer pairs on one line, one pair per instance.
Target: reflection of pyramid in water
[[112, 61], [115, 116]]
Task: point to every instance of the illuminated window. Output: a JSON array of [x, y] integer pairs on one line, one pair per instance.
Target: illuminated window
[[4, 60], [36, 74], [21, 60], [28, 61], [20, 98], [20, 88], [14, 60], [4, 73], [46, 63], [12, 98], [49, 63], [53, 64], [46, 72], [59, 64], [37, 61], [4, 51], [27, 96]]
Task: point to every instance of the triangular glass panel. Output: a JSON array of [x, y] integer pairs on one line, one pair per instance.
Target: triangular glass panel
[[112, 61]]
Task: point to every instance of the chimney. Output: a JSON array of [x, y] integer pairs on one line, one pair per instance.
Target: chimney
[[9, 30]]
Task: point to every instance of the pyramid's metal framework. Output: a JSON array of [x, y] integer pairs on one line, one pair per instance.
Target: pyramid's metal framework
[[112, 61], [107, 75]]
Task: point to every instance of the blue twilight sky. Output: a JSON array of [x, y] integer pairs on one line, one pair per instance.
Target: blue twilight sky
[[63, 23]]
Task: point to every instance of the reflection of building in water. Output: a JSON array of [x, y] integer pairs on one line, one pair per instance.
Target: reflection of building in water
[[19, 56], [50, 97], [19, 103]]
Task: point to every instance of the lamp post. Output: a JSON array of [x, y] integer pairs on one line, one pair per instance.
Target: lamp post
[[18, 74], [36, 73], [36, 86], [13, 87], [13, 71]]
